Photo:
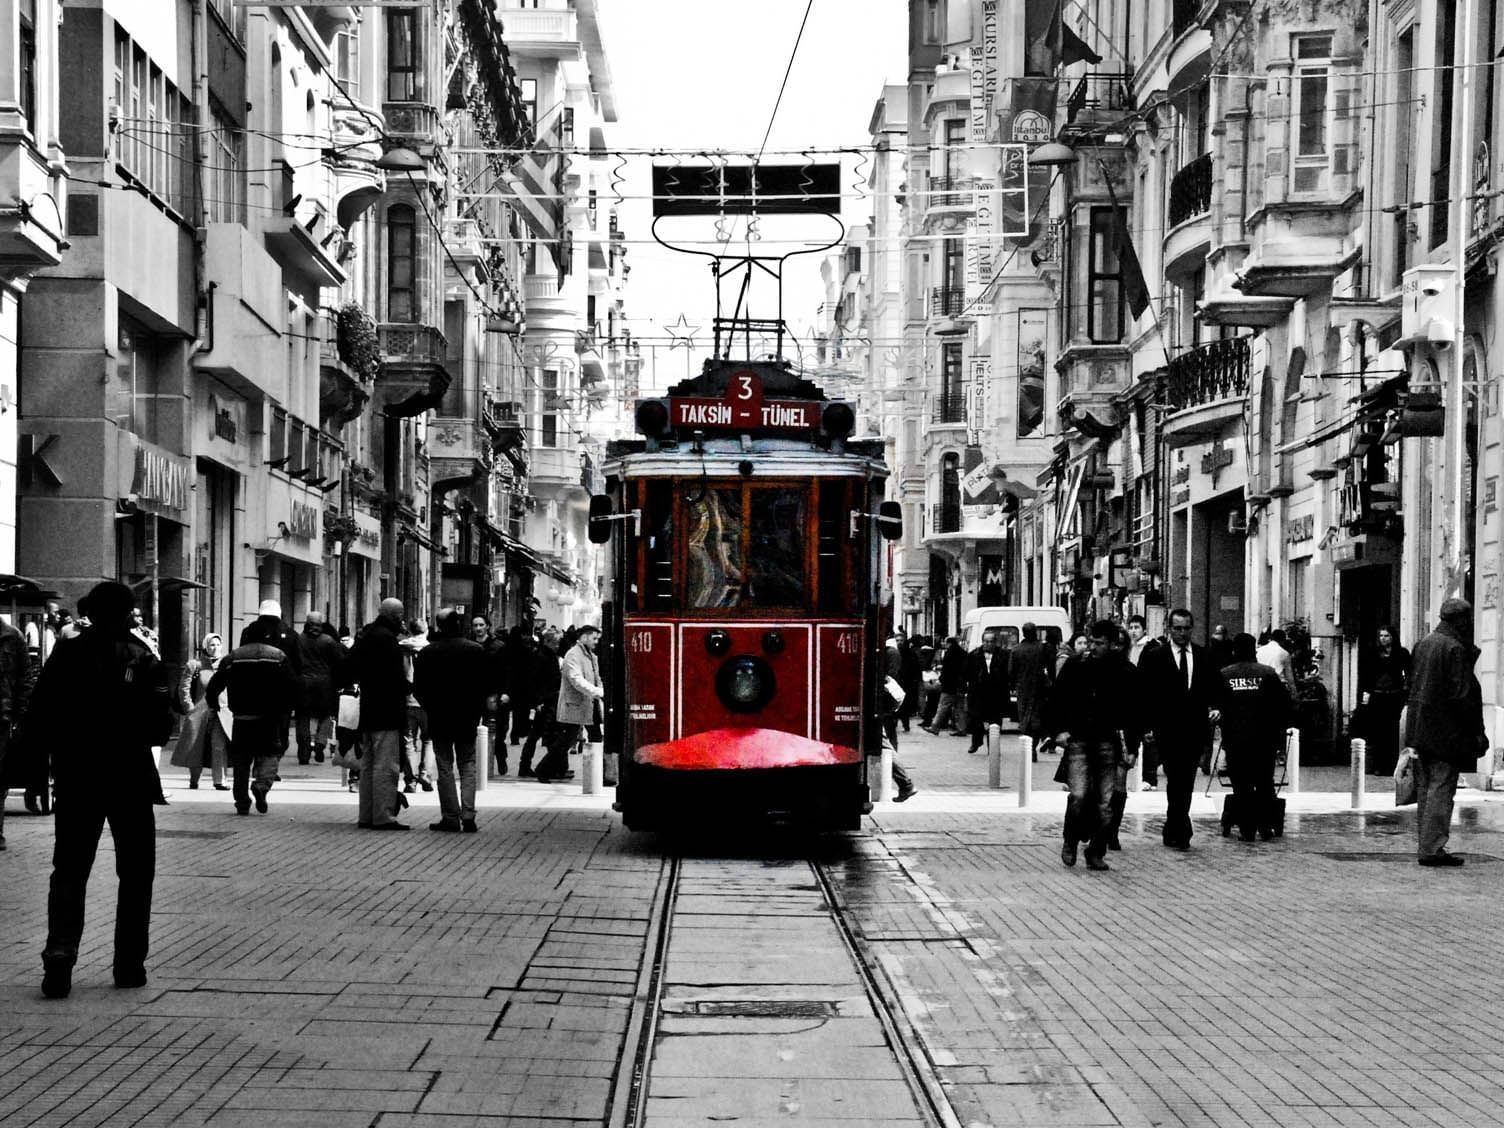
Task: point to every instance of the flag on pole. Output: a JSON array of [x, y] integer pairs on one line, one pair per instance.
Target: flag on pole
[[1135, 289], [537, 182]]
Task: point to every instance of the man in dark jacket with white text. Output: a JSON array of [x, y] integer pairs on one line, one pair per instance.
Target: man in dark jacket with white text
[[1255, 707]]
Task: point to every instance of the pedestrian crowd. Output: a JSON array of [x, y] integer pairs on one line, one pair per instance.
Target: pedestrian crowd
[[1112, 695]]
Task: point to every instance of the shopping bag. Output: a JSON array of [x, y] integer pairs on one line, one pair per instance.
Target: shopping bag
[[894, 689], [1404, 778], [349, 711]]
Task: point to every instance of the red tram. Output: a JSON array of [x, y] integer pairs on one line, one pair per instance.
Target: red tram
[[741, 615]]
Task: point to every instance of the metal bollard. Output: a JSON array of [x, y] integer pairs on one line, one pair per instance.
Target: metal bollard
[[1025, 770], [995, 757], [1292, 761], [482, 757], [592, 766], [1359, 766], [884, 789]]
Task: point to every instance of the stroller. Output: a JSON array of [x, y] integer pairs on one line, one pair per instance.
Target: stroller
[[1230, 803]]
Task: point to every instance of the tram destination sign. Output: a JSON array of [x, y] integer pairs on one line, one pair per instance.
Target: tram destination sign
[[703, 414]]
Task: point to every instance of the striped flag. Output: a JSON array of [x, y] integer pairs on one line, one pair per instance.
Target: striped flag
[[537, 181]]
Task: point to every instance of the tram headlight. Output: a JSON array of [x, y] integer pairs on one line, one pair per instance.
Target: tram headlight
[[745, 684], [717, 643]]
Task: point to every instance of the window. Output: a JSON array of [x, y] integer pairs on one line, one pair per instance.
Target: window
[[142, 359], [1295, 597], [1104, 281], [951, 390], [27, 63], [931, 29], [401, 237], [530, 100], [548, 408], [403, 60], [1441, 141], [1404, 111], [347, 60], [226, 200], [276, 443], [953, 160], [1311, 113]]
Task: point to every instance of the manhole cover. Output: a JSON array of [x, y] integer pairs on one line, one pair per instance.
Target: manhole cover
[[194, 833], [764, 1008]]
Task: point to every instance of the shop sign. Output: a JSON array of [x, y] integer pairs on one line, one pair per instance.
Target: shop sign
[[1218, 458], [225, 418], [302, 521], [1298, 530], [161, 479]]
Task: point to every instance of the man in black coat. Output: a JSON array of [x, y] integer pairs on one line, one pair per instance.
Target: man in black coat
[[323, 662], [1179, 689], [268, 627], [1090, 707], [952, 690], [377, 666], [986, 687], [262, 689], [543, 682], [105, 773], [450, 682], [1256, 709]]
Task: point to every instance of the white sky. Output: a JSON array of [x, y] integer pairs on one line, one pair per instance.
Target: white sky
[[705, 73]]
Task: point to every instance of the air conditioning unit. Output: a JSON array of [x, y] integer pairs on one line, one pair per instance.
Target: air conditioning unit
[[1428, 299], [1237, 523]]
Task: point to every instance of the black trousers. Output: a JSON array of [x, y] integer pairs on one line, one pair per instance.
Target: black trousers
[[1178, 762], [78, 823], [1252, 772]]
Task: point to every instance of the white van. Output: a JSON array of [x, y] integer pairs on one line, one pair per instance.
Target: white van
[[1010, 620]]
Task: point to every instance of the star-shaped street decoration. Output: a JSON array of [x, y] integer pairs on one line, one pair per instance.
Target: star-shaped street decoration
[[681, 332]]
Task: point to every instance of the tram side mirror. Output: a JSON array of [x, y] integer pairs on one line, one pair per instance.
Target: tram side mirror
[[599, 529], [889, 520]]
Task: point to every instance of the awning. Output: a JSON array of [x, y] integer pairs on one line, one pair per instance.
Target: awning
[[413, 534], [167, 585]]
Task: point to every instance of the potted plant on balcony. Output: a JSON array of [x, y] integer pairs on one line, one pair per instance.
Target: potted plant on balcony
[[340, 527], [357, 341]]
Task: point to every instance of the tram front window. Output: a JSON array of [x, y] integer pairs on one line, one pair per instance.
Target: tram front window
[[713, 520], [777, 559]]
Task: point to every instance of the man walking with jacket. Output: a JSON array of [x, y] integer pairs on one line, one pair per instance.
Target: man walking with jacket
[[578, 706], [263, 691], [986, 687], [952, 690], [378, 667], [1179, 689], [449, 680], [104, 774], [1444, 724]]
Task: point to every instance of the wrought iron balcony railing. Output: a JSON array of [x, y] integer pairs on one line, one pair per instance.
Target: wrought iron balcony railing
[[1214, 371], [947, 301], [950, 407], [945, 519], [950, 192], [1099, 92], [1191, 190]]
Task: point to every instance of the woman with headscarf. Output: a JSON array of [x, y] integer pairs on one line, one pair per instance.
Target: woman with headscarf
[[202, 739]]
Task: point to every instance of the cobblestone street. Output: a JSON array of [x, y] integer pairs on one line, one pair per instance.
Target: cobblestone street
[[304, 972]]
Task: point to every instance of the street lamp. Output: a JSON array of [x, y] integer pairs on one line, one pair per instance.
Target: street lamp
[[401, 158], [1052, 154]]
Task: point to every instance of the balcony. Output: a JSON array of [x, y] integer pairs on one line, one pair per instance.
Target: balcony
[[950, 407], [548, 32], [1091, 376], [1099, 99], [945, 519], [413, 376], [349, 363], [1207, 388], [1190, 57], [1191, 190], [294, 242], [1189, 237], [414, 123], [458, 453], [947, 301], [950, 195]]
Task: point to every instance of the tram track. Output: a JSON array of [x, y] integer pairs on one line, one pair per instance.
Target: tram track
[[909, 1062]]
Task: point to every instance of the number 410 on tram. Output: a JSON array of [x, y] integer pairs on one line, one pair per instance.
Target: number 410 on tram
[[743, 656]]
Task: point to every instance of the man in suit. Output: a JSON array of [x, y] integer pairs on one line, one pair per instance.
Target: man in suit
[[1180, 689], [986, 687]]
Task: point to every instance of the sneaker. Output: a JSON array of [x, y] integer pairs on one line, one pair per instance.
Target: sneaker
[[1068, 853], [1442, 858], [425, 783], [130, 978], [57, 979], [1097, 863], [468, 826]]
